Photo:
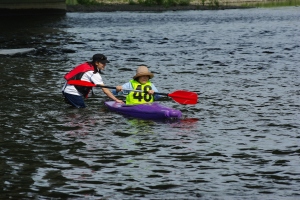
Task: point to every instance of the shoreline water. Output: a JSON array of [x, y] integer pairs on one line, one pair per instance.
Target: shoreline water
[[142, 8]]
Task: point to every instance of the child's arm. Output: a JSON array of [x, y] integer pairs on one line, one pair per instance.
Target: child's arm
[[123, 90], [156, 96]]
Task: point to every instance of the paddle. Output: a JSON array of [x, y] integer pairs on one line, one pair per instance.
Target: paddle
[[180, 96]]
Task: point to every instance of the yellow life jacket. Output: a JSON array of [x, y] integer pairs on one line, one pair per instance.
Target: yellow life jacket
[[139, 97]]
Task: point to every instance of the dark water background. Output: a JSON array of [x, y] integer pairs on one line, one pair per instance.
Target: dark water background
[[241, 141]]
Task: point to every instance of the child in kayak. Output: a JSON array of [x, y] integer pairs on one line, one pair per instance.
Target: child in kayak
[[141, 81]]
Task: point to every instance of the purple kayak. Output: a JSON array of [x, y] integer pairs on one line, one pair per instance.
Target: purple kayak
[[153, 111]]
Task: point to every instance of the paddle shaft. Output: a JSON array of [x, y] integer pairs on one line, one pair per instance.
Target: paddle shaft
[[180, 96], [89, 84], [111, 87]]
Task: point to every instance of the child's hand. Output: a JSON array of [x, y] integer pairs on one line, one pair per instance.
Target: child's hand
[[151, 92], [119, 101], [119, 88]]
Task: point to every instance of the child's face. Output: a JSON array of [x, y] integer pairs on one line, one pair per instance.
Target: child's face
[[143, 79], [100, 65]]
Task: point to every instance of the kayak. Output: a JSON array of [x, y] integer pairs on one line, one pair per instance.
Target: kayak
[[151, 111]]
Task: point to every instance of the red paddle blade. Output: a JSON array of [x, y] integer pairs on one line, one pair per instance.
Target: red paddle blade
[[184, 97], [81, 83]]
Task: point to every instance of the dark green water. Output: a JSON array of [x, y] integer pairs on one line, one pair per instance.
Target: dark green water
[[241, 141]]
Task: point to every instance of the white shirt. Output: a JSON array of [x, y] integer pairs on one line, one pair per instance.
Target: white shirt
[[87, 76]]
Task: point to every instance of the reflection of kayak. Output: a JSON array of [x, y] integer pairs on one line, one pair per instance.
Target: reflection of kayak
[[153, 111]]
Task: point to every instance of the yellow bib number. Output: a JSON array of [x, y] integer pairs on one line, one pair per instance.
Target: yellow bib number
[[142, 96], [135, 97]]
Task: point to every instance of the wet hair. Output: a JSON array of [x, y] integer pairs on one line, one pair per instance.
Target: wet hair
[[96, 70]]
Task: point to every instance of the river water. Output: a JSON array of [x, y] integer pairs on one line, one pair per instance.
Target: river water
[[240, 141]]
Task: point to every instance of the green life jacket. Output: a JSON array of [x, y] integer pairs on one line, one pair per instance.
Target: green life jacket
[[135, 97]]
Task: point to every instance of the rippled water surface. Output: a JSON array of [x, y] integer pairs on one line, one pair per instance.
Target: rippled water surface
[[241, 141]]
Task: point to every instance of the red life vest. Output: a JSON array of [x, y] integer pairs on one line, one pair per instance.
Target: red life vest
[[78, 70], [77, 73]]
